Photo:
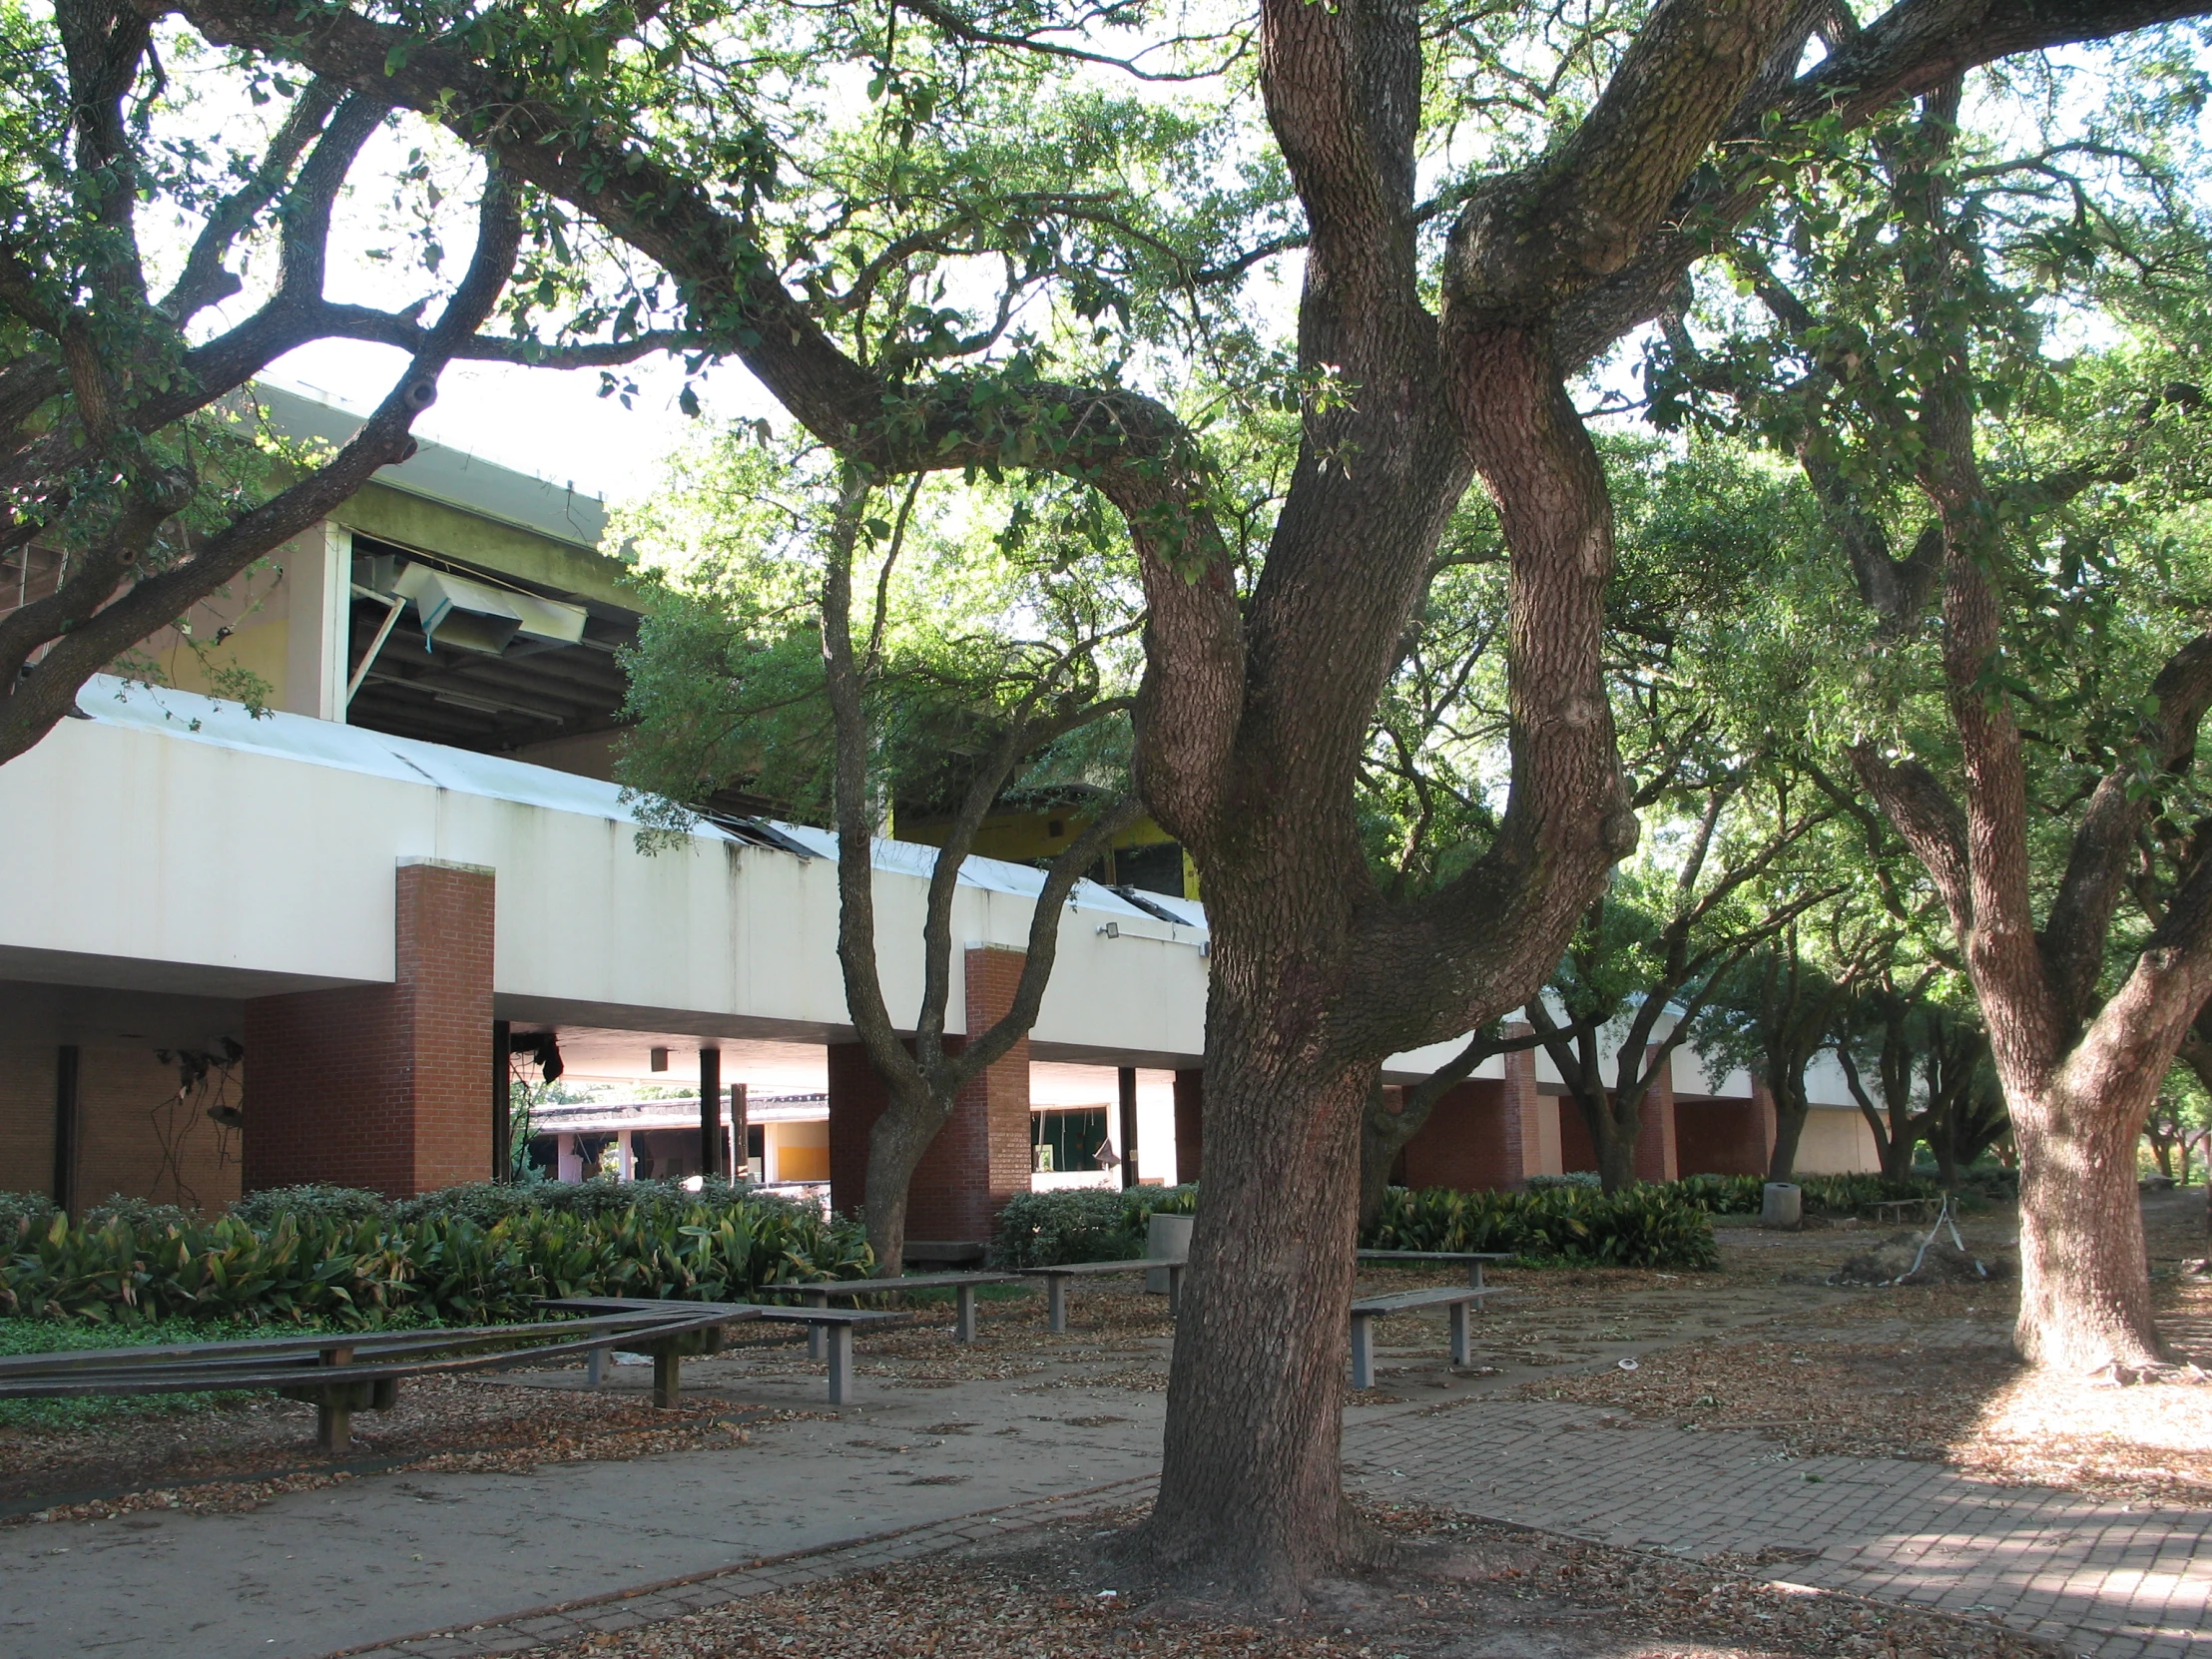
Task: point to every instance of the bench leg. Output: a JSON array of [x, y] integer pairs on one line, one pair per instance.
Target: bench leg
[[1459, 1349], [840, 1363], [595, 1368], [1056, 1304], [964, 1330], [1474, 1277], [1174, 1288], [333, 1428], [668, 1366], [1363, 1352], [815, 1347]]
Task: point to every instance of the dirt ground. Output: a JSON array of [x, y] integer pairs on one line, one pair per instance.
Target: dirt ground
[[1763, 1343], [1457, 1588], [1926, 1372]]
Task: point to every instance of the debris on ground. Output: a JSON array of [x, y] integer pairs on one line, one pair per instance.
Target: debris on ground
[[1062, 1594], [1910, 1258]]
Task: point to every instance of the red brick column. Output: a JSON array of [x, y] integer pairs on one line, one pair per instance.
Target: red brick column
[[1521, 1105], [980, 1158], [1190, 1122], [384, 1086], [1656, 1156]]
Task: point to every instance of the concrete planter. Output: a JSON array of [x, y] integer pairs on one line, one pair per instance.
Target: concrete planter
[[1166, 1239]]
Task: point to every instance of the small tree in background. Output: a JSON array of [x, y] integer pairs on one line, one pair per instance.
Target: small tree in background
[[950, 668]]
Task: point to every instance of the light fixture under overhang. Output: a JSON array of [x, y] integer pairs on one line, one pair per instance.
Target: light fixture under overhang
[[475, 616]]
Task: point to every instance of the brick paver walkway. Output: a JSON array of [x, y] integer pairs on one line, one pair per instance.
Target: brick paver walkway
[[2094, 1576]]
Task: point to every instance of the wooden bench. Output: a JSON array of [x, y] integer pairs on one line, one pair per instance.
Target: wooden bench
[[1367, 1310], [343, 1373], [1057, 1283], [963, 1285], [827, 1329], [1472, 1258]]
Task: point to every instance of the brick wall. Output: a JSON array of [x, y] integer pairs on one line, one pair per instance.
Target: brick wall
[[1723, 1137], [980, 1158], [1463, 1145], [384, 1086], [136, 1135], [139, 1136], [27, 1059]]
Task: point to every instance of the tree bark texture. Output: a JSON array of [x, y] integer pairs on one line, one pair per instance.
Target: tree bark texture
[[1252, 718]]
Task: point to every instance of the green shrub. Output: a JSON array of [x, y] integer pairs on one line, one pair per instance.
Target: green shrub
[[141, 1213], [1083, 1224], [20, 1213], [1573, 1178], [449, 1269], [263, 1209], [1644, 1227], [1722, 1195]]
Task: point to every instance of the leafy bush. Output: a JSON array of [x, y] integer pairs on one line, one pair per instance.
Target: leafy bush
[[1722, 1195], [1573, 1178], [1644, 1227], [488, 1202], [141, 1213], [1083, 1224], [451, 1269], [20, 1213], [263, 1209]]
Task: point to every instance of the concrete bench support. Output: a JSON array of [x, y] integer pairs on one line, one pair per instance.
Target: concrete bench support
[[1367, 1310], [1056, 1280]]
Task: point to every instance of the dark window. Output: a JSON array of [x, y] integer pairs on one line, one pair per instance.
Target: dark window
[[1154, 868], [1072, 1139]]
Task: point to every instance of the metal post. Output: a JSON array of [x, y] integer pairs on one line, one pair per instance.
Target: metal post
[[1459, 1348], [65, 1122], [710, 1112], [741, 1159], [1362, 1352], [841, 1364], [1056, 1303], [595, 1368], [1128, 1077], [503, 1101], [814, 1338]]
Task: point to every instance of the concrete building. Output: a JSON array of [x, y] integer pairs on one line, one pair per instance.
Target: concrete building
[[316, 945]]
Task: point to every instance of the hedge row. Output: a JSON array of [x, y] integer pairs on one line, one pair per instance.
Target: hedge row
[[1844, 1195], [1645, 1227], [380, 1268]]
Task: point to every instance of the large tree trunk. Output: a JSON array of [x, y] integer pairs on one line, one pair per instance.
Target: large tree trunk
[[897, 1144], [1790, 1109], [2084, 1287], [1614, 1139], [1251, 1491]]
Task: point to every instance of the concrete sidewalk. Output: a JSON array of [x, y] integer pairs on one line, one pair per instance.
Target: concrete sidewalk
[[370, 1560]]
